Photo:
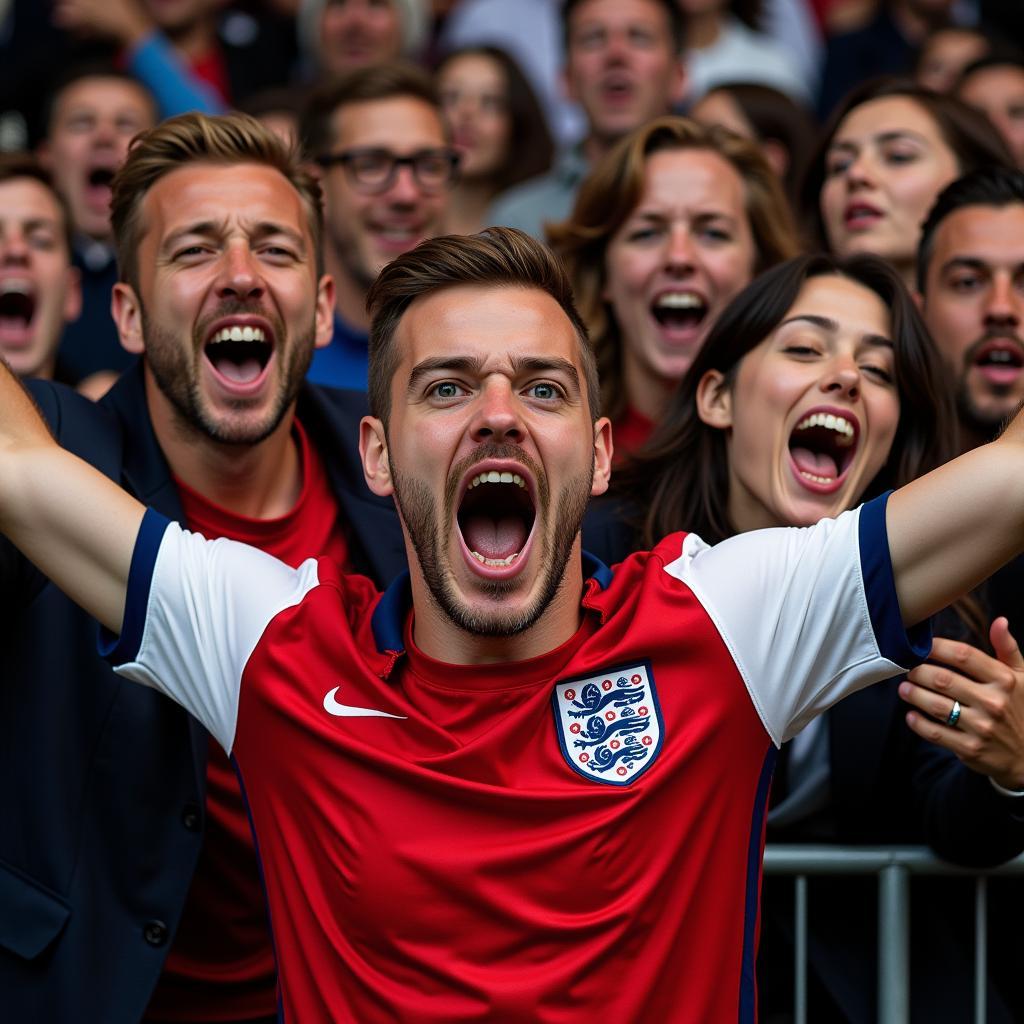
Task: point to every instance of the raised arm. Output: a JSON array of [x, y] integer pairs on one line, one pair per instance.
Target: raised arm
[[952, 528], [69, 519]]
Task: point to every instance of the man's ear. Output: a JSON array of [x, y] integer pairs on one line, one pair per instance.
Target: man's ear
[[126, 310], [604, 449], [679, 87], [73, 295], [324, 311], [565, 85], [373, 450], [714, 400]]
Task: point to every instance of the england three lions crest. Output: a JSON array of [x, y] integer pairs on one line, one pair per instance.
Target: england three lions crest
[[609, 726]]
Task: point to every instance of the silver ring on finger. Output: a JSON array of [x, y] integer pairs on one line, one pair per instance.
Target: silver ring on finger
[[954, 715]]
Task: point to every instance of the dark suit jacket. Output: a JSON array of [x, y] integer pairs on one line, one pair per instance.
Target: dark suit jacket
[[102, 782]]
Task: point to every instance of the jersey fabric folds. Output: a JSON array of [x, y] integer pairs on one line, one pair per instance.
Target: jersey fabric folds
[[552, 840]]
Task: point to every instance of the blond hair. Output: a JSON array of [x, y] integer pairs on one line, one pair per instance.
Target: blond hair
[[610, 194], [197, 138]]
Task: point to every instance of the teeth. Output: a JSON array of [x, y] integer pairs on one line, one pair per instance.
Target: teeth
[[498, 563], [817, 479], [15, 284], [494, 477], [1000, 357], [837, 423], [680, 300], [237, 333]]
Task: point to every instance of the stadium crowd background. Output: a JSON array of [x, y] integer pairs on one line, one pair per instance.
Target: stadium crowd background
[[671, 153]]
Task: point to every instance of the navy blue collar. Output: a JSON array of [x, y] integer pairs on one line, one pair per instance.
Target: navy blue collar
[[395, 603]]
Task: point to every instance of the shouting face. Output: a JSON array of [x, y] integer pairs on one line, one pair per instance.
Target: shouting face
[[491, 453], [228, 308], [812, 412]]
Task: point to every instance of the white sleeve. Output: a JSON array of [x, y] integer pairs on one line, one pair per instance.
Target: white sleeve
[[808, 615], [194, 612]]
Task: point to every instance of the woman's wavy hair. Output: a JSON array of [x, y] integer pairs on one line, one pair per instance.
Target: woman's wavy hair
[[971, 137], [531, 148], [680, 480], [611, 193]]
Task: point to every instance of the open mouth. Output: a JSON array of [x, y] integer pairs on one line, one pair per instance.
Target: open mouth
[[239, 354], [860, 215], [1000, 361], [617, 89], [679, 311], [496, 518], [101, 177], [98, 185], [822, 447], [17, 310]]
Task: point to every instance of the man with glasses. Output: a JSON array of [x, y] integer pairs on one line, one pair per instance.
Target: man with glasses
[[386, 170]]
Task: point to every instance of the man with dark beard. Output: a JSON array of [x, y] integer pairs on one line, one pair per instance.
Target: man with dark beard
[[970, 275], [130, 883]]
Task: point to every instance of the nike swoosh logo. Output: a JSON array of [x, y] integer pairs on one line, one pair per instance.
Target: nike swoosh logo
[[332, 707]]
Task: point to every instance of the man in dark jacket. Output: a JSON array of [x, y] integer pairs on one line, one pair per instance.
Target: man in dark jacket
[[129, 886]]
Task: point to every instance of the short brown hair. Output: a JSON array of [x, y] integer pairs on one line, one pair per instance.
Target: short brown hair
[[24, 165], [611, 193], [498, 257], [197, 138], [362, 85]]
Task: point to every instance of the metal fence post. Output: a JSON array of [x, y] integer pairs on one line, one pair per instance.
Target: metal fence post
[[893, 945], [800, 957], [980, 948]]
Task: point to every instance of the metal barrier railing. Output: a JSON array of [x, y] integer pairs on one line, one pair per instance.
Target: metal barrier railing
[[894, 865]]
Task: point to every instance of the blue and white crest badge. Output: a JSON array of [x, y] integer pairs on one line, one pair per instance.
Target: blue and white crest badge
[[609, 726]]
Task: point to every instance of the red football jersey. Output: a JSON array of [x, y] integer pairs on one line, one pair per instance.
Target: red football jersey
[[552, 840]]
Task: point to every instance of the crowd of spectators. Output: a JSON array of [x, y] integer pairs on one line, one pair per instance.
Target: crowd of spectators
[[707, 170]]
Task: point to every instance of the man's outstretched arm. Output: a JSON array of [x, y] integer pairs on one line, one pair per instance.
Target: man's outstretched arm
[[952, 528], [69, 519]]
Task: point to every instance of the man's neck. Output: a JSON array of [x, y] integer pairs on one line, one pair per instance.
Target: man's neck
[[467, 207], [973, 436], [439, 638], [595, 147], [912, 25], [349, 295], [261, 481]]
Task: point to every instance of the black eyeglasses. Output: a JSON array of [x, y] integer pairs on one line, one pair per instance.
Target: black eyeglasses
[[374, 170]]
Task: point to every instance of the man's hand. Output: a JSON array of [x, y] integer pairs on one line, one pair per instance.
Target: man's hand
[[989, 734], [124, 21]]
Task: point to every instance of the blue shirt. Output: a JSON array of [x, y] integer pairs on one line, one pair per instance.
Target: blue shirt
[[344, 362]]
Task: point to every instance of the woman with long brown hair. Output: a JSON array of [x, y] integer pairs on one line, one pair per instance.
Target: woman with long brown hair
[[668, 227]]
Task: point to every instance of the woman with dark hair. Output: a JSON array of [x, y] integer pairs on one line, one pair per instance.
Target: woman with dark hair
[[778, 124], [691, 474], [884, 156], [668, 227], [497, 126], [819, 388]]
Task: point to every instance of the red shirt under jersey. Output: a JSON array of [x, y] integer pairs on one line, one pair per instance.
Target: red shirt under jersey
[[221, 966]]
